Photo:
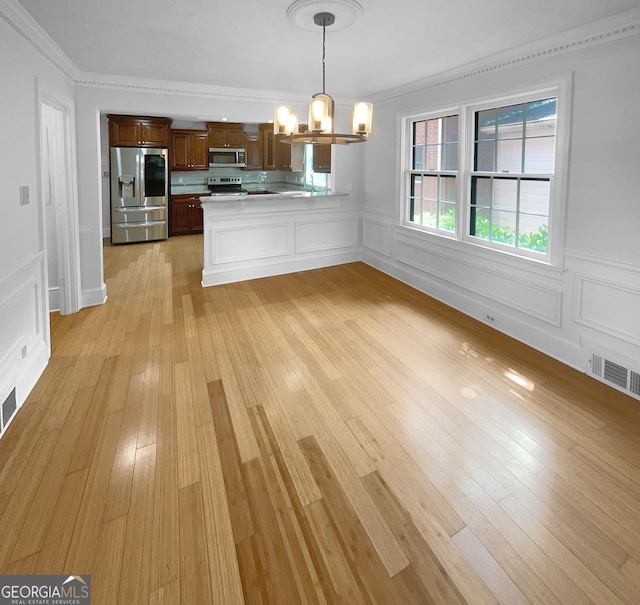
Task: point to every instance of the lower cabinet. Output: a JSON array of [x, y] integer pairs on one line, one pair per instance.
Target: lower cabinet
[[186, 215]]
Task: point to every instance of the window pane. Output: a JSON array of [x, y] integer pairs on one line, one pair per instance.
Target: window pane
[[419, 133], [533, 233], [429, 213], [433, 157], [450, 129], [486, 125], [418, 158], [481, 191], [430, 187], [541, 118], [433, 132], [510, 122], [450, 156], [447, 216], [539, 155], [509, 156], [485, 151], [448, 189], [416, 186], [480, 222], [503, 228], [505, 194], [534, 197]]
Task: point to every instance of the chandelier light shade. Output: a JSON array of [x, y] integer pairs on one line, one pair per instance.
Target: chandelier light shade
[[284, 120], [362, 117], [322, 107]]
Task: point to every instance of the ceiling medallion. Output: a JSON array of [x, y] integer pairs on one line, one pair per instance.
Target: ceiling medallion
[[323, 13]]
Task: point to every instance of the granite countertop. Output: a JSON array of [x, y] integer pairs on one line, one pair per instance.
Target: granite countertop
[[271, 196]]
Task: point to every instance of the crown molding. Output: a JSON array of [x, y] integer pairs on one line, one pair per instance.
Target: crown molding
[[168, 87], [598, 32], [26, 26]]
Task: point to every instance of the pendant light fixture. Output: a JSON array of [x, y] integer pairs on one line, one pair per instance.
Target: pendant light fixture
[[322, 109]]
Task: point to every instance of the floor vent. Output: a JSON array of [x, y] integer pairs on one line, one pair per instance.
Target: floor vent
[[615, 374], [8, 409]]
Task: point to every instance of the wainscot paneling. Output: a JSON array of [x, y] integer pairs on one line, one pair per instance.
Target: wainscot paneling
[[24, 328], [313, 236], [377, 236], [247, 239], [249, 243], [531, 294], [604, 305]]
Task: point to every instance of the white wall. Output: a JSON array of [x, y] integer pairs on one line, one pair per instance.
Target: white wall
[[591, 300], [24, 319]]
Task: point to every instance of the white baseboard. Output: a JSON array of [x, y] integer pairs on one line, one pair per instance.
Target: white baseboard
[[94, 297]]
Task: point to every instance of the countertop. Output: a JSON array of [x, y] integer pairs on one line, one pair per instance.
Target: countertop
[[271, 196]]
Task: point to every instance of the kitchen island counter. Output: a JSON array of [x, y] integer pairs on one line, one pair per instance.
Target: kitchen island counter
[[251, 236]]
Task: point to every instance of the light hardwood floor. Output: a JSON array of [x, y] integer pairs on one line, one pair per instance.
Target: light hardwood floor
[[323, 437]]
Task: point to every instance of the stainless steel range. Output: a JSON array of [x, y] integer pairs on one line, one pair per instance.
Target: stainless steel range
[[226, 185]]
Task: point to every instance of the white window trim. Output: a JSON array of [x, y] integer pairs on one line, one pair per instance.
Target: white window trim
[[561, 88]]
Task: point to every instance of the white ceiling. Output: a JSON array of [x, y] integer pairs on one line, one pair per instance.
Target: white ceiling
[[252, 44]]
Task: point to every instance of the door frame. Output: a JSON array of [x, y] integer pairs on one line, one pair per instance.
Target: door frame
[[67, 221]]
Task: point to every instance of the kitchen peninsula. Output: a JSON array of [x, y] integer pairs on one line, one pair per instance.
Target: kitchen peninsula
[[251, 236]]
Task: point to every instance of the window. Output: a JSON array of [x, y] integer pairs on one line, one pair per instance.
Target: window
[[433, 177], [485, 173], [513, 163]]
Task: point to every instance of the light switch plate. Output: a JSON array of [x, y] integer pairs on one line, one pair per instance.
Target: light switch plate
[[24, 195]]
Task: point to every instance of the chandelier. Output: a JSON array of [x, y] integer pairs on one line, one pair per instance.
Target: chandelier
[[322, 109]]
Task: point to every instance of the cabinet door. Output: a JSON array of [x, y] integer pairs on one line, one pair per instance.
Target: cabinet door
[[200, 151], [154, 134], [322, 158], [196, 216], [252, 157], [124, 133], [267, 147], [217, 136], [180, 216], [235, 137], [180, 142]]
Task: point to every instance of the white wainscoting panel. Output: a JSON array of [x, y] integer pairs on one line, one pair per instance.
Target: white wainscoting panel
[[312, 236], [249, 243], [608, 306], [377, 236], [24, 327], [490, 281], [247, 239]]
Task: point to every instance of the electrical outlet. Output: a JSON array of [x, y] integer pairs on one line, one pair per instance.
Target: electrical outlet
[[491, 319], [24, 195]]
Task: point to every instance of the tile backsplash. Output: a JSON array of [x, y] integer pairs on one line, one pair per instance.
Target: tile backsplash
[[268, 178]]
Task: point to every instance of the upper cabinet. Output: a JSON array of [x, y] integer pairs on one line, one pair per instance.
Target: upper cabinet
[[138, 131], [189, 150], [276, 155], [225, 134], [252, 147], [322, 158]]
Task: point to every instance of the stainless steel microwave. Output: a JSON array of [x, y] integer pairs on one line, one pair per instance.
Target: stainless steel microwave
[[227, 157]]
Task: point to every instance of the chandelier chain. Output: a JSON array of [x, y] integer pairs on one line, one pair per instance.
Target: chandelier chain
[[324, 46]]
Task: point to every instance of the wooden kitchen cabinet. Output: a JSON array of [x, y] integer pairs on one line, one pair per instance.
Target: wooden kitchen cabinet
[[322, 158], [189, 150], [225, 134], [276, 155], [267, 147], [138, 131], [252, 147], [186, 215]]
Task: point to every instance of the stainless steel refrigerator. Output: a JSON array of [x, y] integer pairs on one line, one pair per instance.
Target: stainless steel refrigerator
[[139, 194]]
